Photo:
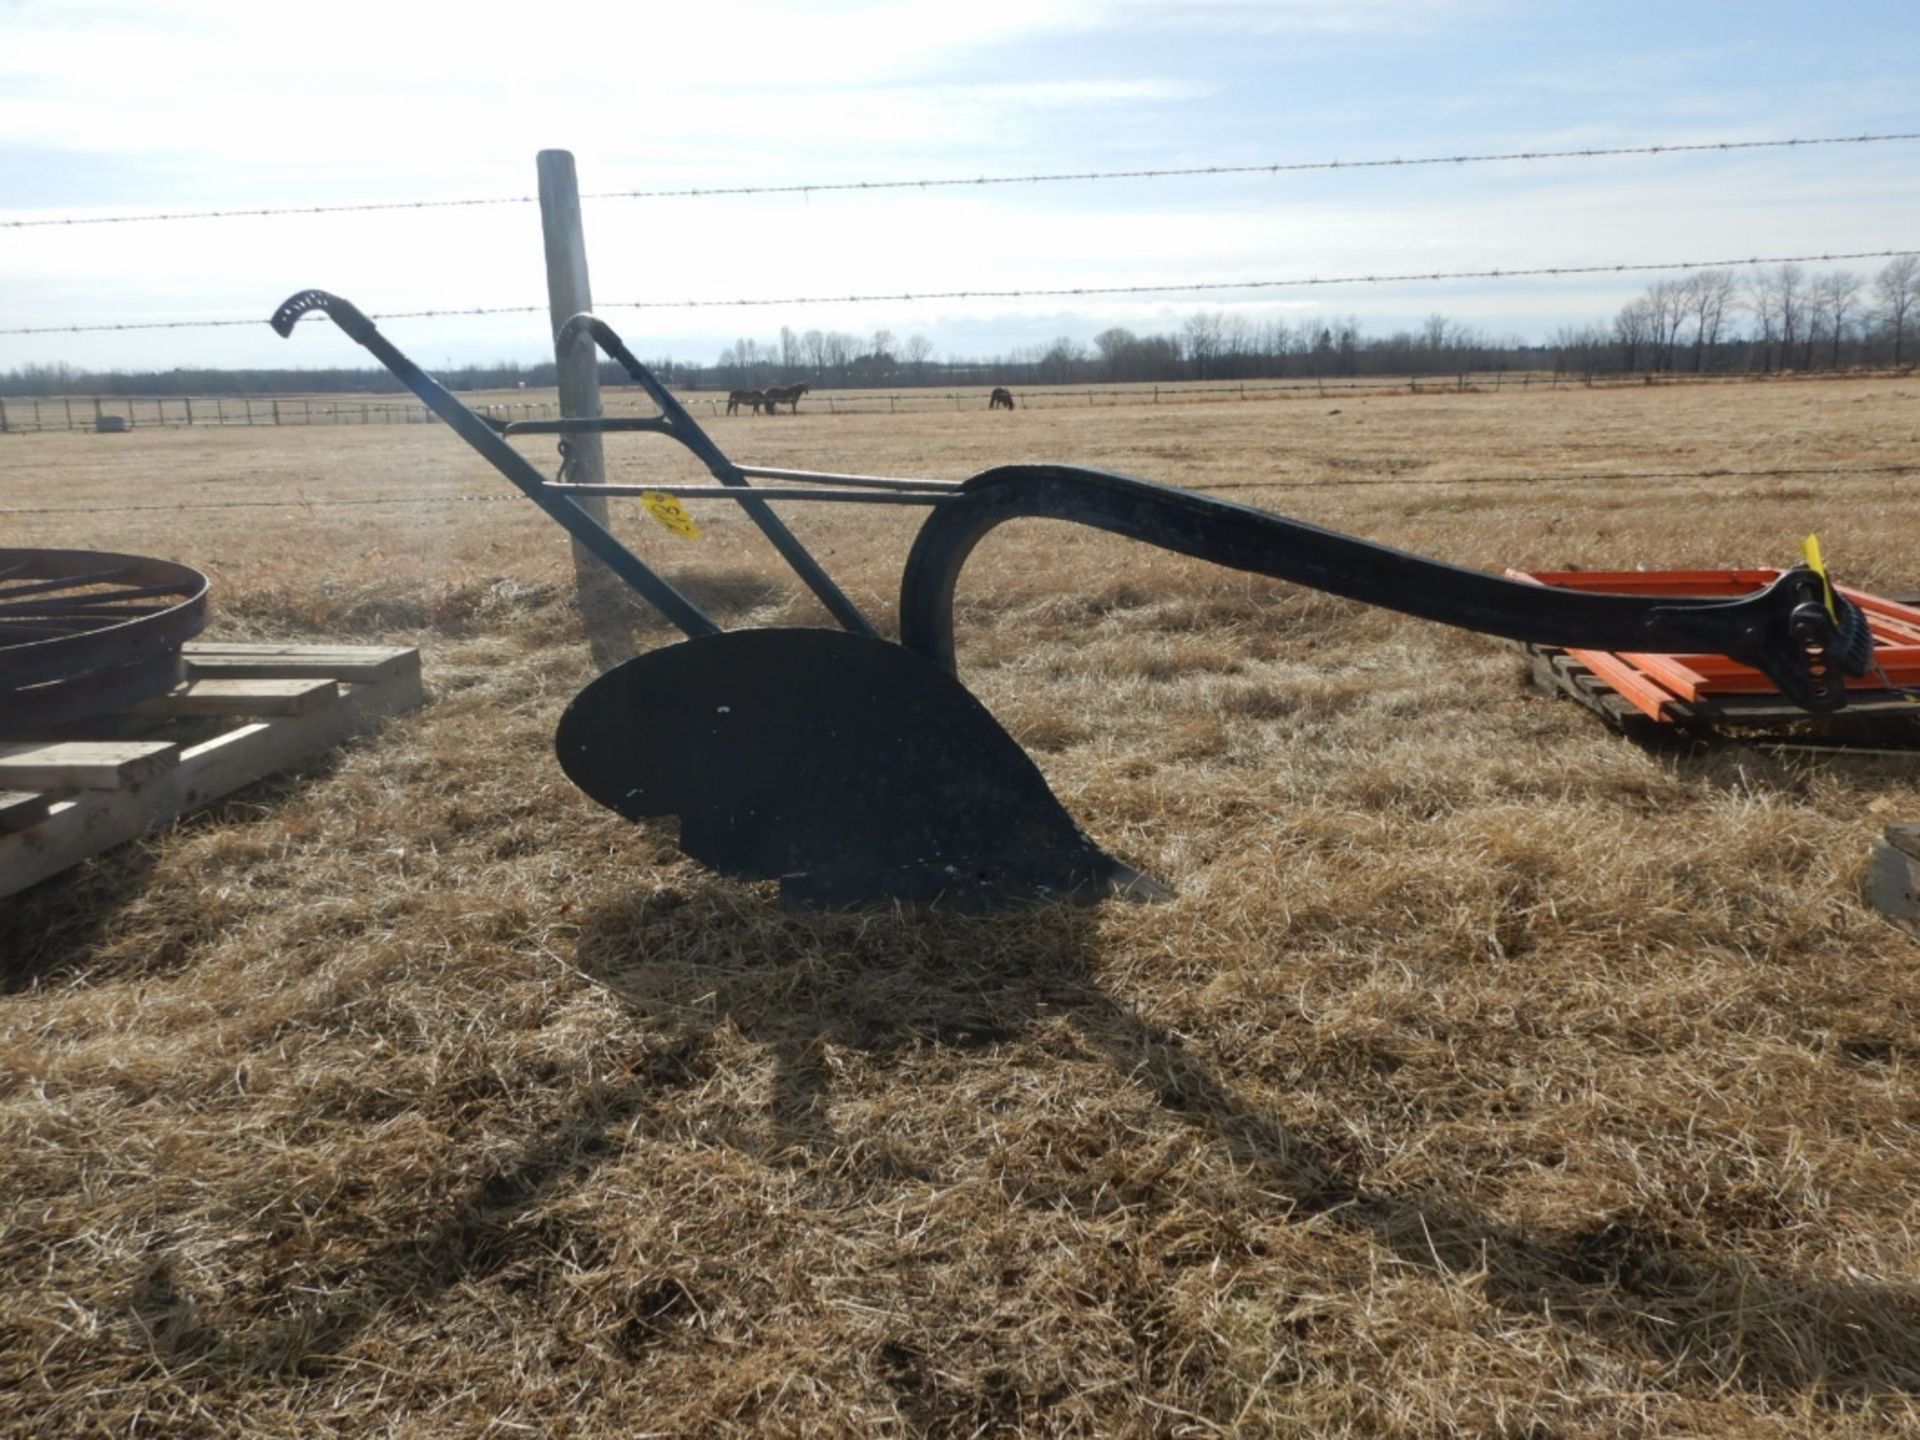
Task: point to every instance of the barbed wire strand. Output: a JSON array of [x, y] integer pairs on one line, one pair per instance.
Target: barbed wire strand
[[773, 493], [705, 192], [1189, 288]]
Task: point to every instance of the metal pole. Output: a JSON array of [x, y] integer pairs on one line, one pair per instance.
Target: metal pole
[[578, 363]]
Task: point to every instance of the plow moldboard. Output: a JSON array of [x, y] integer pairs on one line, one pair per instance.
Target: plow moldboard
[[846, 767]]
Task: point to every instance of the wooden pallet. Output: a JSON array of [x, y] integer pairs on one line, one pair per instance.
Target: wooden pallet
[[63, 799]]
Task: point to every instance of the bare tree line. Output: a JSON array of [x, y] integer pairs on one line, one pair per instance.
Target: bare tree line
[[1711, 321], [1797, 320], [1210, 345]]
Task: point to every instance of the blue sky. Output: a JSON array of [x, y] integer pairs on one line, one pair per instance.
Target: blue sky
[[114, 108]]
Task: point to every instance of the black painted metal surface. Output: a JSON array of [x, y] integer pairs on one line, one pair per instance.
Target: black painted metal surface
[[1784, 630], [843, 766], [86, 631]]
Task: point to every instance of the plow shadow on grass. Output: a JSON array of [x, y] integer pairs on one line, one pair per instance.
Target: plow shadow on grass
[[1709, 1319], [882, 985]]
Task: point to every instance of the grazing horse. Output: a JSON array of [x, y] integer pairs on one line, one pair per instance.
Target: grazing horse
[[788, 395], [1001, 398], [737, 398]]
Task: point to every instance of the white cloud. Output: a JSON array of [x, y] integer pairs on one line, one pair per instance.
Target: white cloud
[[214, 104]]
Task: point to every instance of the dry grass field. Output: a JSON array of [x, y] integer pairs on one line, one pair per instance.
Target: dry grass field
[[1489, 1074]]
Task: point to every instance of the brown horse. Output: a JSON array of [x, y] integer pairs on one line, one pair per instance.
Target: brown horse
[[737, 398], [788, 395], [1000, 399]]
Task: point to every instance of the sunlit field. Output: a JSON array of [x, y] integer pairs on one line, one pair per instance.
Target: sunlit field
[[1489, 1073]]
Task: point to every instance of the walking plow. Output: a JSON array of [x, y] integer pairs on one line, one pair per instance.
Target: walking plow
[[855, 768]]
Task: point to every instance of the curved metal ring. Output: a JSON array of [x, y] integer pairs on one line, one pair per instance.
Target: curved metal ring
[[85, 631]]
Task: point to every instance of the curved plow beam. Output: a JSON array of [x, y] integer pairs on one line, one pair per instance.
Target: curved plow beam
[[1786, 631]]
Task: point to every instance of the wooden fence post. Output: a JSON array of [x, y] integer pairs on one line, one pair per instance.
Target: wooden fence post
[[578, 363]]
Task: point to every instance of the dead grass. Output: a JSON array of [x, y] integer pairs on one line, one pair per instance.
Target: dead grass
[[1488, 1075]]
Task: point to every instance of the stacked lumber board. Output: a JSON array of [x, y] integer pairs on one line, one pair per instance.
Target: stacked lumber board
[[268, 707]]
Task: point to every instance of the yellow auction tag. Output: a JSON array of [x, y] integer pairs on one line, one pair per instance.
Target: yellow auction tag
[[1810, 552], [670, 513]]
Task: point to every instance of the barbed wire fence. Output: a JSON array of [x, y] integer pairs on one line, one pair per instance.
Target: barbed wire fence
[[1197, 287], [126, 413], [828, 187]]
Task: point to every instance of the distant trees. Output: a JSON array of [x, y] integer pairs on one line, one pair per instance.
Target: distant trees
[[1711, 320], [1580, 349], [1833, 295], [1706, 296], [1798, 320], [1061, 364], [1203, 335], [1127, 357], [1897, 288]]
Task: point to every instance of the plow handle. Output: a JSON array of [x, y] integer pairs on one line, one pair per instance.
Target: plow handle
[[518, 470], [684, 428]]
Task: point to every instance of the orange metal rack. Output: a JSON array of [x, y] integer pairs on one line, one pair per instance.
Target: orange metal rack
[[1673, 689]]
